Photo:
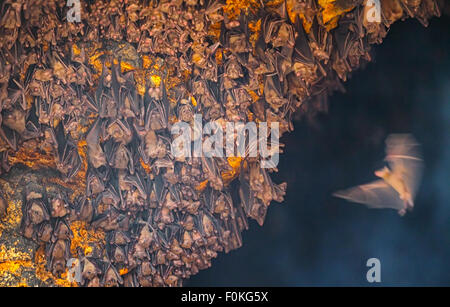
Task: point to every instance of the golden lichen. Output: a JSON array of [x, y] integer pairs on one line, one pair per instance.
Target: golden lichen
[[233, 8], [193, 101], [85, 238], [76, 50], [156, 80], [13, 217], [331, 11], [150, 74], [254, 96], [145, 166], [94, 60], [139, 78], [22, 284], [29, 155], [13, 263], [14, 211], [44, 275], [14, 266], [294, 8], [11, 254], [202, 185], [254, 27], [146, 62], [125, 67], [10, 268], [123, 271], [235, 163]]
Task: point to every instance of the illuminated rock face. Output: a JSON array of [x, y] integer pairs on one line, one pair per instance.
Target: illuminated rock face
[[94, 196]]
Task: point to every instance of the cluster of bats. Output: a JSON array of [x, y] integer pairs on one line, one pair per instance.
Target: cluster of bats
[[166, 218]]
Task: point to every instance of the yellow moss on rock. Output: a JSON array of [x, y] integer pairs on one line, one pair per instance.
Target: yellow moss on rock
[[294, 8], [235, 163], [85, 238], [44, 275], [14, 210], [331, 11], [233, 8], [13, 264], [31, 157], [254, 27]]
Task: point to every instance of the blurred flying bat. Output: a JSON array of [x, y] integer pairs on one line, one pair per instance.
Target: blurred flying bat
[[399, 182]]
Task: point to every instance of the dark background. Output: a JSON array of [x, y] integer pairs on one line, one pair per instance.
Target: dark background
[[314, 239]]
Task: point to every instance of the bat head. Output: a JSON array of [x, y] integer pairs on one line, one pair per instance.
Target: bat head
[[382, 173]]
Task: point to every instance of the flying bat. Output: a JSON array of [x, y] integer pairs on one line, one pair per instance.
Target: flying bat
[[399, 180]]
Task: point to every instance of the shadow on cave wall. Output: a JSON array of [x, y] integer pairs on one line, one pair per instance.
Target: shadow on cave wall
[[314, 239]]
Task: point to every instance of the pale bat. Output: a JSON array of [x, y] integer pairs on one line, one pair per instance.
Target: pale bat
[[399, 180]]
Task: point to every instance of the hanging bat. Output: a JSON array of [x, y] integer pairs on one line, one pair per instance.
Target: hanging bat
[[399, 180]]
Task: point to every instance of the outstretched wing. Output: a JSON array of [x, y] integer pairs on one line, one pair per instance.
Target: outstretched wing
[[405, 159], [377, 194]]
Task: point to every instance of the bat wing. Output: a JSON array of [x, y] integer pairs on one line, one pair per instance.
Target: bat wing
[[377, 194], [405, 159]]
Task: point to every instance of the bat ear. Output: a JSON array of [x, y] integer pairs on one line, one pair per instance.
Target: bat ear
[[381, 172]]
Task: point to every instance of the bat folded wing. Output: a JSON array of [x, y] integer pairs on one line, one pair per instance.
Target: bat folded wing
[[377, 194]]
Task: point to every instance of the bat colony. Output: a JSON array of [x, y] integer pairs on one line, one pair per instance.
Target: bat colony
[[94, 101]]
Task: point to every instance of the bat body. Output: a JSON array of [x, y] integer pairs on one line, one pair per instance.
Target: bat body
[[398, 183]]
